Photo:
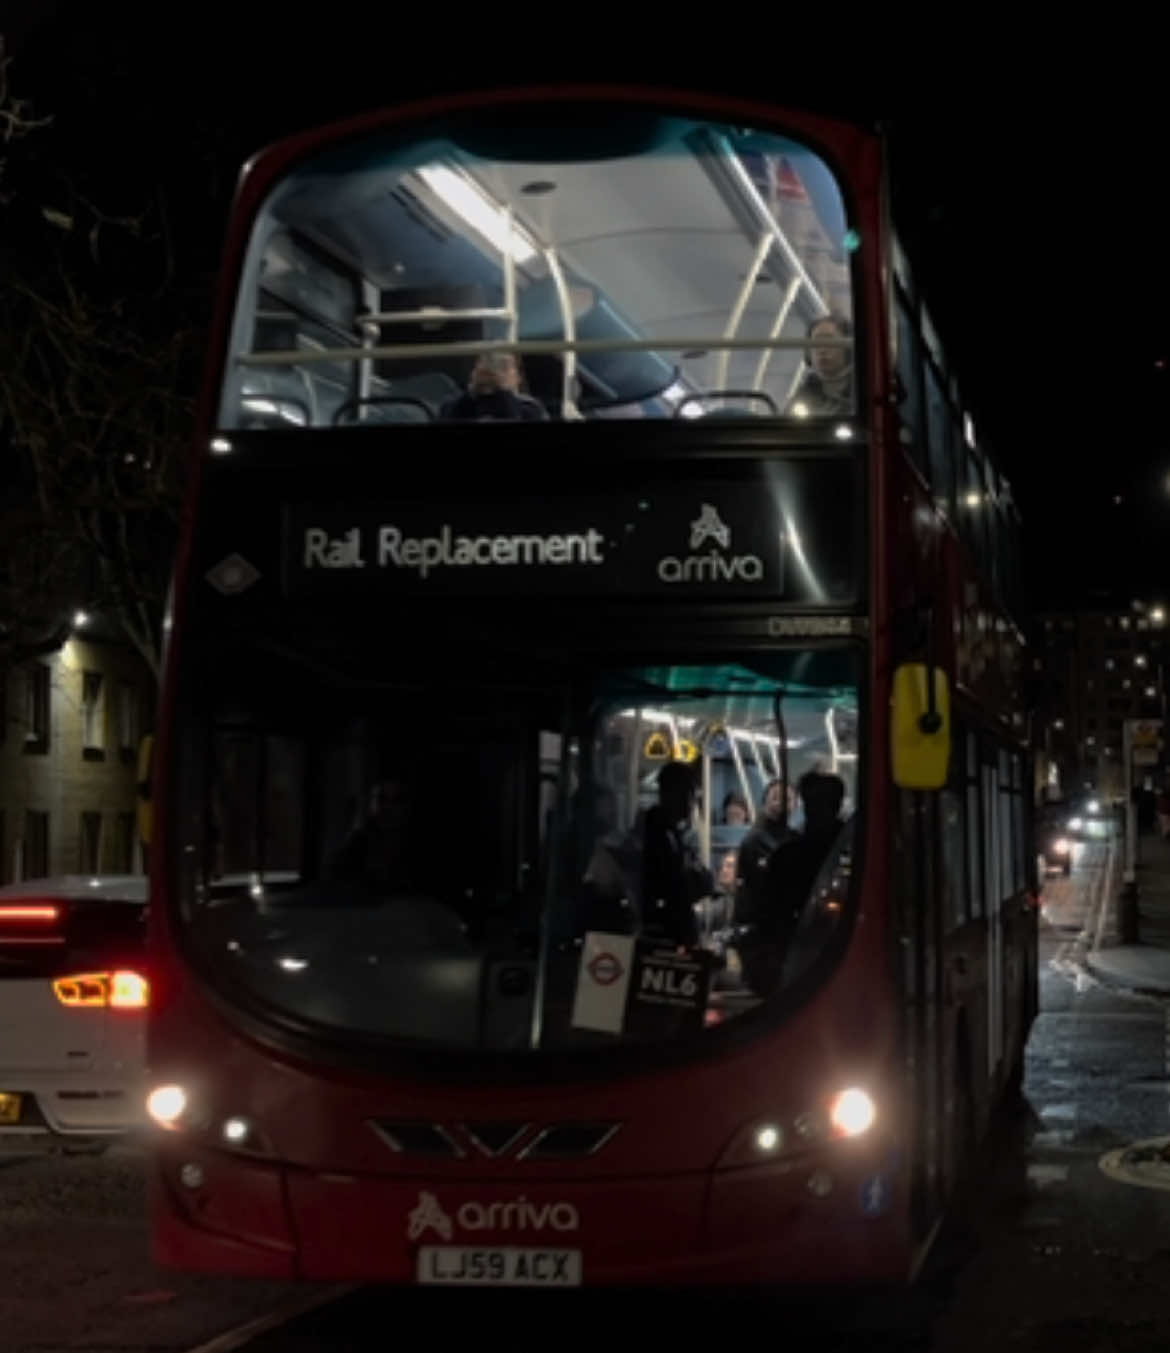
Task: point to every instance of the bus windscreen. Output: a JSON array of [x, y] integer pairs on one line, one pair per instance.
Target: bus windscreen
[[555, 272], [540, 859]]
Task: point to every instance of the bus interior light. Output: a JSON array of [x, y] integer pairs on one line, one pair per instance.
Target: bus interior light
[[469, 201], [852, 1112]]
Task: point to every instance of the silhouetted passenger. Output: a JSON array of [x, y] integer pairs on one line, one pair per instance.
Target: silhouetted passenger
[[673, 876], [377, 852], [788, 879], [770, 831]]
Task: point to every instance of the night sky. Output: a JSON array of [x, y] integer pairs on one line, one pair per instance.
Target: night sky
[[1028, 187]]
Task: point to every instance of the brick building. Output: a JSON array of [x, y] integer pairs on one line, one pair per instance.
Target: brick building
[[70, 727]]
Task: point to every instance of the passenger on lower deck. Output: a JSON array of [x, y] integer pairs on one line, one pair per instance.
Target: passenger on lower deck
[[674, 877], [769, 832], [788, 879], [377, 852]]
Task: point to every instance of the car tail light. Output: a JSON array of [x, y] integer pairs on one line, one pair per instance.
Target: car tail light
[[30, 922], [119, 990]]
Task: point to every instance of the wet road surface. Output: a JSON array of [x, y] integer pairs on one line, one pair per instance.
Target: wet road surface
[[1052, 1255]]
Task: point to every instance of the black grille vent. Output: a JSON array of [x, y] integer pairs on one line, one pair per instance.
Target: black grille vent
[[564, 1140], [416, 1138], [495, 1139]]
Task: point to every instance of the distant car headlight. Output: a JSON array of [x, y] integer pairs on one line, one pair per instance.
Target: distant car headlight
[[1075, 824]]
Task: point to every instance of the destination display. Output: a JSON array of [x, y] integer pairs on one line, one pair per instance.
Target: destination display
[[794, 536]]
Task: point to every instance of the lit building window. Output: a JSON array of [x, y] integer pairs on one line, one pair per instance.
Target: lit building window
[[92, 711]]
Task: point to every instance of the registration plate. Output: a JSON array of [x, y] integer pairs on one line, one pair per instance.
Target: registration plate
[[462, 1266], [9, 1108]]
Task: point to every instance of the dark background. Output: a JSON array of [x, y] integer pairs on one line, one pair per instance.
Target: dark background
[[1026, 178]]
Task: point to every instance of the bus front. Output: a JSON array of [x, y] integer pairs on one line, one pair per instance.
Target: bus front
[[518, 913]]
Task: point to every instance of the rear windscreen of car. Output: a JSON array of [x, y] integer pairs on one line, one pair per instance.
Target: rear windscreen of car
[[81, 936]]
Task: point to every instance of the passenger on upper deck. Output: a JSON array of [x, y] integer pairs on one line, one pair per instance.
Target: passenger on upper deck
[[494, 393], [827, 387]]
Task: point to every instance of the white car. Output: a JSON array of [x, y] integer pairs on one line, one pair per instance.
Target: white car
[[73, 1002]]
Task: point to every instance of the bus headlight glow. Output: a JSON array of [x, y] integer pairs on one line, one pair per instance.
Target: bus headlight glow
[[852, 1112], [166, 1104]]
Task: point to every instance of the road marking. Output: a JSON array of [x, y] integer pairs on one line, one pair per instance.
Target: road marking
[[1061, 1112], [286, 1311], [1166, 1047], [1053, 1138], [1105, 894], [1042, 1175], [1145, 1164]]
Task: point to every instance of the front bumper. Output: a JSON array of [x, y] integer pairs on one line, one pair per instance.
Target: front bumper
[[81, 1104], [838, 1216]]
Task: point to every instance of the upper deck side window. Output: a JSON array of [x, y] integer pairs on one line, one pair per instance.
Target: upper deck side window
[[680, 273]]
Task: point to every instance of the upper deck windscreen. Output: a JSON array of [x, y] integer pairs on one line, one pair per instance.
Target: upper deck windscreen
[[605, 264]]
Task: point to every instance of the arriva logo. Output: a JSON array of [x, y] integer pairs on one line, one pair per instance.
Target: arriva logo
[[428, 1216], [520, 1215], [712, 566]]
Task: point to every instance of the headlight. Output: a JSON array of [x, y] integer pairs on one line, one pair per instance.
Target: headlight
[[852, 1113], [166, 1104]]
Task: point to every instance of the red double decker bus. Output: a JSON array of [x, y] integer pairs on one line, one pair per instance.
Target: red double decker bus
[[591, 809]]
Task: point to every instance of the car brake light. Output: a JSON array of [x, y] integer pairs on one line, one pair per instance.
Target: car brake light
[[28, 912], [129, 991], [121, 990], [30, 923]]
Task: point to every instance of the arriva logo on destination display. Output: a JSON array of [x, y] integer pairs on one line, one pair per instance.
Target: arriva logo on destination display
[[518, 1215], [711, 566], [446, 549]]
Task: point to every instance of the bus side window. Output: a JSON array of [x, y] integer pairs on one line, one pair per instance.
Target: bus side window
[[910, 374], [974, 826], [951, 826]]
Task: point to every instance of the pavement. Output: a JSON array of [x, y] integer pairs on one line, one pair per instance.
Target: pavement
[[1144, 966]]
